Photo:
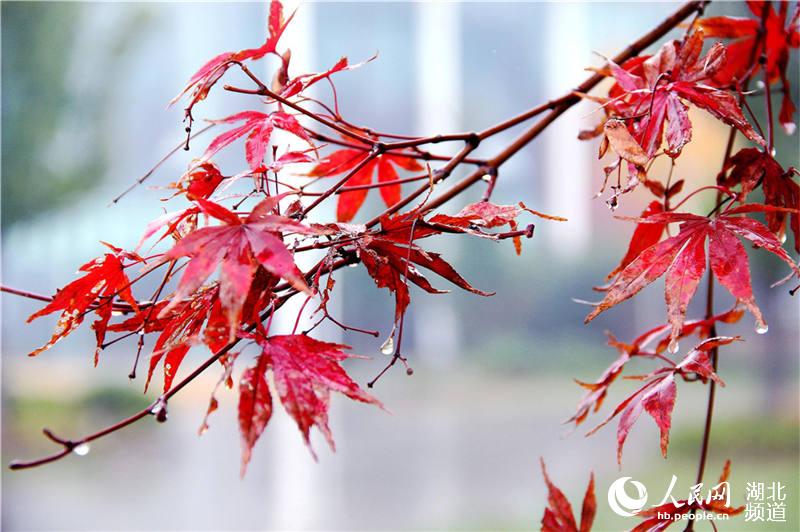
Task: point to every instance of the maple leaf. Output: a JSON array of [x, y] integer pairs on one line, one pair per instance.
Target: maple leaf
[[344, 160], [649, 93], [660, 517], [640, 347], [304, 372], [291, 87], [200, 181], [558, 516], [104, 281], [391, 257], [199, 318], [657, 395], [204, 79], [180, 323], [227, 378], [238, 247], [177, 223], [749, 167], [258, 127], [392, 266], [683, 259], [255, 407], [781, 34], [644, 236]]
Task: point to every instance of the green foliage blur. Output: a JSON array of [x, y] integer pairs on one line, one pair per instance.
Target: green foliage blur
[[38, 103]]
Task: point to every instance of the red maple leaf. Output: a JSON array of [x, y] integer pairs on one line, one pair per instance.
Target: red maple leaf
[[199, 318], [238, 247], [657, 395], [558, 516], [200, 181], [260, 127], [660, 517], [255, 407], [391, 257], [205, 78], [392, 265], [287, 87], [180, 322], [344, 160], [104, 281], [649, 94], [644, 236], [749, 167], [304, 372], [781, 34], [683, 259], [640, 347]]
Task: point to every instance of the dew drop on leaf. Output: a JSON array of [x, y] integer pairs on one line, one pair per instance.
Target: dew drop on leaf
[[81, 449], [673, 346], [762, 327], [387, 348]]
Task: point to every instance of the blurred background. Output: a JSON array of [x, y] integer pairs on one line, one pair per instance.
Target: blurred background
[[83, 115]]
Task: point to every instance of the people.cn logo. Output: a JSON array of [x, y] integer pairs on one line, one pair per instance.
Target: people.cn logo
[[622, 503]]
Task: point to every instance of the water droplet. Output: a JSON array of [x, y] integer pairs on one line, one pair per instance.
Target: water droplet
[[354, 265], [387, 348], [762, 327], [82, 449], [773, 152], [673, 346], [141, 332], [783, 237], [116, 313], [487, 178]]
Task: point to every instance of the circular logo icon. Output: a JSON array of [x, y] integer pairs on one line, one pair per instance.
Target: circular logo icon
[[623, 504]]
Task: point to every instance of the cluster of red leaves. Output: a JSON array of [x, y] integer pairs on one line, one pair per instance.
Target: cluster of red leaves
[[661, 517], [646, 115], [558, 515], [645, 106], [345, 160], [657, 395], [642, 348], [238, 247], [683, 258], [750, 167], [781, 34], [104, 281]]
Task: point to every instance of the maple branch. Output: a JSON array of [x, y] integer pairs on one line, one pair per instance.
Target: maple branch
[[155, 167], [119, 306], [709, 311], [419, 153], [372, 155], [554, 109], [563, 103]]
